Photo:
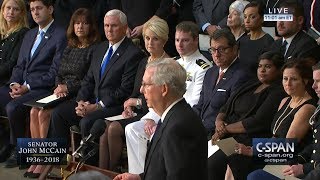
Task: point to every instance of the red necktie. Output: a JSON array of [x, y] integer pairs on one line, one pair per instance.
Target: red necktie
[[220, 77]]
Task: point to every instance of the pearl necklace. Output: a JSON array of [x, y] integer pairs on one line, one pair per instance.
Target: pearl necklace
[[277, 124], [312, 118], [149, 59]]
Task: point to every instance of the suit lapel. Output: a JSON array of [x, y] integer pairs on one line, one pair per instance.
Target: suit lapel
[[31, 39], [44, 40], [157, 136], [292, 46], [115, 57], [214, 5]]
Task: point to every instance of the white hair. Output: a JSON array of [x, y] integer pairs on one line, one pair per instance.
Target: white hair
[[118, 13]]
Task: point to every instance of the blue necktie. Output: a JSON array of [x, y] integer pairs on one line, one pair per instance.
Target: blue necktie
[[105, 61], [37, 42]]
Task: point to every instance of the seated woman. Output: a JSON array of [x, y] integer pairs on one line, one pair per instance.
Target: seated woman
[[155, 35], [235, 20], [249, 111], [82, 34], [257, 41], [291, 120], [13, 26]]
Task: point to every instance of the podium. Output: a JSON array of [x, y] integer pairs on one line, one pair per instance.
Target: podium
[[72, 166]]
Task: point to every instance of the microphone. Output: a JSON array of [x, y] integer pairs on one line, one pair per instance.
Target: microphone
[[96, 131]]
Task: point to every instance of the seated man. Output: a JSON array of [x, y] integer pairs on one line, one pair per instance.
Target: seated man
[[196, 65], [178, 149], [35, 72], [294, 42], [108, 82]]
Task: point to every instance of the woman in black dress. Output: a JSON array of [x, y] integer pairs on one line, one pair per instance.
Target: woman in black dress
[[257, 41], [249, 111]]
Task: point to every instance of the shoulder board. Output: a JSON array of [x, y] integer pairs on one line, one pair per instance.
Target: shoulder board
[[202, 63], [176, 57]]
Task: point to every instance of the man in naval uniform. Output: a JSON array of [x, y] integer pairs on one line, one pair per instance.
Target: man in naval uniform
[[196, 65]]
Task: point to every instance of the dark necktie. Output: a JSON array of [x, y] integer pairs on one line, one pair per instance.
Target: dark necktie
[[106, 61], [37, 42], [283, 47]]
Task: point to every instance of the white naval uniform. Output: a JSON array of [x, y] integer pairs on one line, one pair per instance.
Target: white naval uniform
[[196, 66]]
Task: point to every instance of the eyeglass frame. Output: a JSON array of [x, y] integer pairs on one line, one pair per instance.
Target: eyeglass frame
[[220, 50]]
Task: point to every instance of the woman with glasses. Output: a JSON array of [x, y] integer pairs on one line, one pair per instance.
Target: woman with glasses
[[257, 41], [155, 34], [249, 111]]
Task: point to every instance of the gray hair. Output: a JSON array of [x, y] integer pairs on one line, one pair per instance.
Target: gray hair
[[169, 72], [89, 175], [118, 13], [239, 6]]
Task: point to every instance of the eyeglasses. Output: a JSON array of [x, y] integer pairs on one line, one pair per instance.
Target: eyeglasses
[[221, 50], [145, 85]]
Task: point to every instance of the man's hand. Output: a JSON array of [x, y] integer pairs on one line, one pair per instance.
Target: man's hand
[[220, 128], [18, 90], [211, 29], [80, 109], [150, 127], [61, 90], [127, 176], [137, 31], [243, 149], [294, 170]]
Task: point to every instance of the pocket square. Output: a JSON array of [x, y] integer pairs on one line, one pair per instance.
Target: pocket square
[[222, 90]]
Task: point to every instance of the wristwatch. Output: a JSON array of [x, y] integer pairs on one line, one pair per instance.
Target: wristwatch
[[139, 103]]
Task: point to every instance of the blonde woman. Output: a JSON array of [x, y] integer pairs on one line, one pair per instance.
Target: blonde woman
[[13, 26]]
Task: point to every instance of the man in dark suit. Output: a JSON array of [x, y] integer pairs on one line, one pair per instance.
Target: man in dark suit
[[108, 83], [294, 42], [178, 149], [211, 15], [34, 74], [220, 81]]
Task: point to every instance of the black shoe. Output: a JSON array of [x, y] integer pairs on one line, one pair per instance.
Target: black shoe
[[34, 175], [4, 153], [12, 160], [27, 174]]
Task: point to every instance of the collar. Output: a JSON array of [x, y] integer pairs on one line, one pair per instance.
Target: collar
[[289, 40], [192, 56], [225, 70], [116, 45], [168, 109], [45, 29]]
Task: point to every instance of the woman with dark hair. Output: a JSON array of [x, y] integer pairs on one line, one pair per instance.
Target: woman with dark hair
[[82, 34], [292, 118], [13, 26], [257, 41], [249, 111]]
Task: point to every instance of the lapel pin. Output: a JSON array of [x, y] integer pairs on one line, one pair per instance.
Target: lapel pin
[[46, 37], [117, 54]]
